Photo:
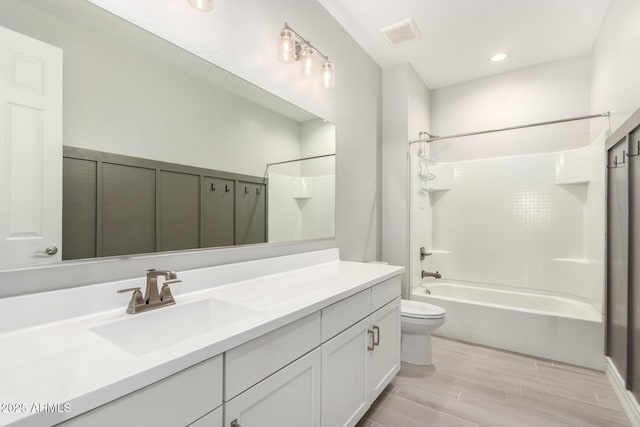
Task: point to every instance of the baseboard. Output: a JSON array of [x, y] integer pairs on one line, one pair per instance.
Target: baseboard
[[628, 400]]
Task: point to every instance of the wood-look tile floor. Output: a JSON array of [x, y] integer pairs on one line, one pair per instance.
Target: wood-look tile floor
[[470, 385]]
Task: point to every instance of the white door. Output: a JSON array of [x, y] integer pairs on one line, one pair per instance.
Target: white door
[[288, 398], [345, 372], [385, 358], [30, 150]]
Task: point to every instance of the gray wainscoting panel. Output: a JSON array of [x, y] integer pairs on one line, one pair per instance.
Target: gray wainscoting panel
[[179, 211], [251, 224], [128, 210], [79, 194], [121, 205], [218, 218]]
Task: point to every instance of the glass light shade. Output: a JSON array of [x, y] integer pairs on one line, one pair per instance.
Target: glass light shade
[[308, 61], [328, 75], [286, 46], [202, 5]]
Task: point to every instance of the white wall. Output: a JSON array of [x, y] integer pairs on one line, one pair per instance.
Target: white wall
[[406, 112], [318, 219], [550, 91], [317, 138], [283, 211], [240, 37], [418, 97], [615, 63], [120, 100]]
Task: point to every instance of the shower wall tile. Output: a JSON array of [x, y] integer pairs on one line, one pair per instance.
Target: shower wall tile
[[530, 222]]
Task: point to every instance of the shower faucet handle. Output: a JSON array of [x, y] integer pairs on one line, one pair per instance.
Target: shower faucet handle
[[424, 253]]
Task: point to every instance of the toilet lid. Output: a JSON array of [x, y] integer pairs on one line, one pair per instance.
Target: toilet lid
[[421, 310]]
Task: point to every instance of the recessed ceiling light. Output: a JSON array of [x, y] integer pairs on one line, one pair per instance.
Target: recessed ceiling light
[[498, 57]]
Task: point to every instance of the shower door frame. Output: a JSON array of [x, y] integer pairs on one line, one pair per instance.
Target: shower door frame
[[626, 137]]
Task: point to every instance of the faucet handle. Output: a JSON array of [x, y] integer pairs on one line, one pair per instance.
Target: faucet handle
[[120, 291], [165, 292], [137, 300]]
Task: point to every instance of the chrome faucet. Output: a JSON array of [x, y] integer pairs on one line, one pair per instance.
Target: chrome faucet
[[152, 298], [437, 274]]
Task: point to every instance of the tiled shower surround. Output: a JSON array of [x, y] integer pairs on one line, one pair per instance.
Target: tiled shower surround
[[533, 222]]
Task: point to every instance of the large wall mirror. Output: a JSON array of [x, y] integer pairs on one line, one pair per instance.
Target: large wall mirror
[[117, 142]]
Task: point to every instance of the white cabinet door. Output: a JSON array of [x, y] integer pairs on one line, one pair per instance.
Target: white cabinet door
[[30, 150], [345, 371], [288, 398], [385, 358]]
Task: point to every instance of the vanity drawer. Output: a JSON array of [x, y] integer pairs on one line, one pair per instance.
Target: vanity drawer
[[385, 292], [255, 360], [175, 401], [339, 316]]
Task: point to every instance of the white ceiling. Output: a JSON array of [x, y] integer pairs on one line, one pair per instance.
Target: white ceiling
[[459, 36]]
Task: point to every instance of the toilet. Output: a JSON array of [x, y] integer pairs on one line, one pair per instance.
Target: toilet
[[418, 320]]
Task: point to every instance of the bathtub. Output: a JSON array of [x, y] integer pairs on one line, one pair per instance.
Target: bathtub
[[550, 327]]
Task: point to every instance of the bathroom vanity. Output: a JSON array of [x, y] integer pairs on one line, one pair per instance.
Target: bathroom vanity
[[299, 340]]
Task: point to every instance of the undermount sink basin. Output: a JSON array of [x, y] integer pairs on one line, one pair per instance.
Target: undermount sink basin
[[147, 332]]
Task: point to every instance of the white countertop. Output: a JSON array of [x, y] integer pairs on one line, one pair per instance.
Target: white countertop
[[65, 362]]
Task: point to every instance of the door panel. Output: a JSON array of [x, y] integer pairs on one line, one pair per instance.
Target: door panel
[[345, 376], [30, 149], [288, 398], [385, 358], [634, 263]]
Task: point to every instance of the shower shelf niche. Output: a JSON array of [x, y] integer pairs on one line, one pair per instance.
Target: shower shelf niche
[[435, 190]]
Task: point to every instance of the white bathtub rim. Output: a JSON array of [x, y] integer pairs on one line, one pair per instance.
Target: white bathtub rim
[[506, 288], [596, 318]]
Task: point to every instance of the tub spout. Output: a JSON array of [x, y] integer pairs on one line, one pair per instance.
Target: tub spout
[[437, 274]]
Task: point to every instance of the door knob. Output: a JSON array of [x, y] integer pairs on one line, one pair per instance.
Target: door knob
[[51, 250]]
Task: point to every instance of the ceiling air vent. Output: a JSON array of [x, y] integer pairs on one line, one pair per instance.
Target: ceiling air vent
[[402, 32]]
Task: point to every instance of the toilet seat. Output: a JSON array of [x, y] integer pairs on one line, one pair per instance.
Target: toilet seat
[[420, 310]]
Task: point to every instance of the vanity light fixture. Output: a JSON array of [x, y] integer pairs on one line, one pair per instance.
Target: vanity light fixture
[[293, 47], [202, 5]]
